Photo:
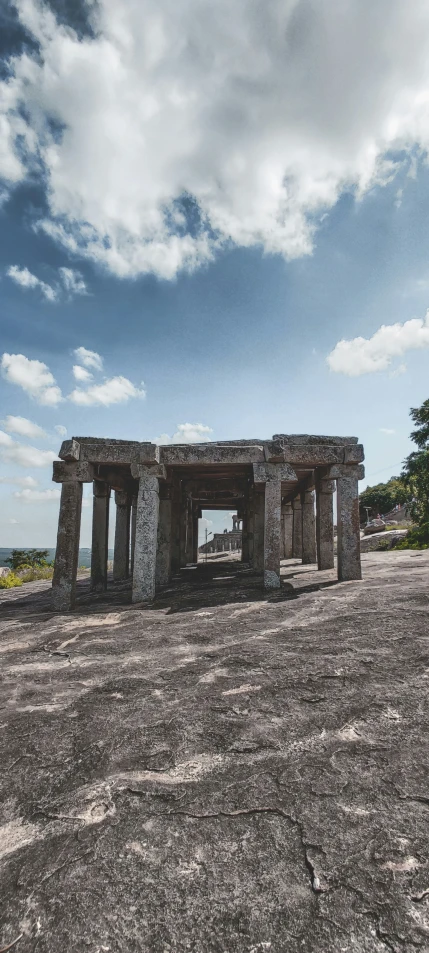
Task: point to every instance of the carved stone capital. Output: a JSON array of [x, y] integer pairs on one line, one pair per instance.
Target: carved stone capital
[[269, 472], [141, 472], [65, 472]]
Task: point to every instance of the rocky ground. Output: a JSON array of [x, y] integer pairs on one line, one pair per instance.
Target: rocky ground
[[223, 772]]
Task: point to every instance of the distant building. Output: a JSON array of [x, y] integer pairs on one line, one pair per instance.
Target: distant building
[[226, 542]]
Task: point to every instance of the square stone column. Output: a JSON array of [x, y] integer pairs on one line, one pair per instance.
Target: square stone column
[[308, 528], [71, 475], [245, 537], [133, 531], [121, 552], [163, 556], [325, 522], [287, 530], [297, 528], [348, 526], [175, 528], [258, 531], [184, 530], [272, 474], [144, 574], [195, 511], [100, 536]]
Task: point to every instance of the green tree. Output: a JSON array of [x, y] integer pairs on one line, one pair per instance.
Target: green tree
[[416, 468], [28, 557], [383, 497]]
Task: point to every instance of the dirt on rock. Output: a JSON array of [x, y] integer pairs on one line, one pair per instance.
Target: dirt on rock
[[221, 772]]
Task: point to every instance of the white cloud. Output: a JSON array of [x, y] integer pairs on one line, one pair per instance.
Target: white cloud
[[187, 433], [33, 376], [116, 390], [13, 521], [387, 430], [23, 427], [260, 114], [23, 456], [73, 281], [38, 496], [19, 481], [89, 358], [61, 430], [81, 373], [25, 278], [365, 355]]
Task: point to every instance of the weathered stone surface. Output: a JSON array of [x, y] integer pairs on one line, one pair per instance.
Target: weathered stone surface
[[288, 530], [348, 529], [121, 553], [149, 453], [334, 472], [321, 455], [139, 471], [297, 528], [180, 780], [258, 532], [266, 472], [374, 527], [311, 439], [67, 551], [272, 530], [100, 536], [325, 523], [308, 528], [108, 451], [70, 450], [144, 567], [163, 555], [72, 472], [208, 454]]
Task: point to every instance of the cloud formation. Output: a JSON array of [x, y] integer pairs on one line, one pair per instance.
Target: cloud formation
[[186, 433], [88, 358], [366, 355], [115, 390], [33, 376], [73, 281], [23, 427], [38, 496], [61, 430], [17, 453], [19, 481], [186, 127], [25, 278], [81, 374]]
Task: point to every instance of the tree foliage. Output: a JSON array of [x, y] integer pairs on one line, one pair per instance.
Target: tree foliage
[[28, 557], [416, 467], [383, 497]]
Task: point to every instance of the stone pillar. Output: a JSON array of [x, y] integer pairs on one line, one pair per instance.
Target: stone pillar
[[297, 528], [195, 511], [245, 537], [324, 523], [308, 528], [121, 552], [100, 536], [189, 533], [288, 529], [164, 543], [133, 530], [258, 531], [348, 527], [175, 529], [71, 475], [272, 474], [146, 530]]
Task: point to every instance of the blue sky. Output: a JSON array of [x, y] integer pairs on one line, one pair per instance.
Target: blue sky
[[211, 262]]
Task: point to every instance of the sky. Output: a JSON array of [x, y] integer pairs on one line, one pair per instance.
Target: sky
[[214, 224]]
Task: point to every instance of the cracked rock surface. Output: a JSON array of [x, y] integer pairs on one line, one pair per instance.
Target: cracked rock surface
[[222, 772]]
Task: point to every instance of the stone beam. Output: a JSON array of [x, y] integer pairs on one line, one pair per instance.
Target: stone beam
[[266, 472], [319, 456], [208, 455], [70, 450], [72, 472]]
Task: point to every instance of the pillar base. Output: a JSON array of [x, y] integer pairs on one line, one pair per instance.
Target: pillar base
[[271, 579]]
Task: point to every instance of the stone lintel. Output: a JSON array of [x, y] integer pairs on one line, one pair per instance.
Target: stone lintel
[[140, 471], [64, 472], [300, 439], [207, 454], [70, 450], [268, 472], [109, 451], [320, 455], [336, 472], [100, 488]]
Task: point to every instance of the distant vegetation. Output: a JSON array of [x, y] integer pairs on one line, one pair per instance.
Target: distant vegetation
[[411, 487]]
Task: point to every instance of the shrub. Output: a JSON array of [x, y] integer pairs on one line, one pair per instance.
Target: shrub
[[416, 538], [30, 574], [9, 581]]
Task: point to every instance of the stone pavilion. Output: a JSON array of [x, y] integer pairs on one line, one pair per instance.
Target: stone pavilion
[[281, 489]]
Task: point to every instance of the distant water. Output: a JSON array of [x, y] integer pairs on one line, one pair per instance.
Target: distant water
[[84, 555]]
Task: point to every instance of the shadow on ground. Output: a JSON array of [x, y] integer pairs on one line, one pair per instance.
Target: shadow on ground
[[222, 771]]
